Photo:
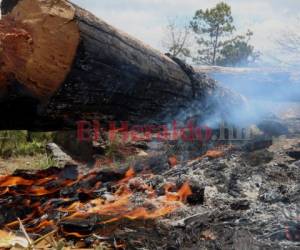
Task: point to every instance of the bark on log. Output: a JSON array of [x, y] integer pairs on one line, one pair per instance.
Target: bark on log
[[60, 64]]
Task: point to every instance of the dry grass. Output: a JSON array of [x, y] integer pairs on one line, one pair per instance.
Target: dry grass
[[36, 162]]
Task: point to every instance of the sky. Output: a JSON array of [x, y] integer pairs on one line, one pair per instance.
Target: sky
[[147, 19]]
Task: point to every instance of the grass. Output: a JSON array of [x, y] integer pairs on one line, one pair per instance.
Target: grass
[[25, 150], [36, 162], [23, 143]]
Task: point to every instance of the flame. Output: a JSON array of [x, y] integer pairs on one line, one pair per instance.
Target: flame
[[40, 191], [168, 186], [42, 200], [44, 180], [143, 213], [128, 175], [183, 193], [72, 208], [74, 234], [213, 154], [42, 225], [11, 181]]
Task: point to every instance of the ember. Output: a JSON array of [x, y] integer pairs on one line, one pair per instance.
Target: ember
[[164, 156], [47, 205]]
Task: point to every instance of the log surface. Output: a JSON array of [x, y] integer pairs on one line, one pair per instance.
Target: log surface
[[75, 66]]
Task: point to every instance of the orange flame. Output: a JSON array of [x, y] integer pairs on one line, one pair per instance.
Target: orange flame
[[42, 225], [74, 234], [11, 181], [213, 154], [113, 208], [128, 175], [184, 192]]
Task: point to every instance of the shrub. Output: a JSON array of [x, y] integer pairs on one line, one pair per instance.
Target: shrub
[[23, 143]]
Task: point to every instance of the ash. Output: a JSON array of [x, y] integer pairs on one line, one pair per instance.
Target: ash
[[234, 197]]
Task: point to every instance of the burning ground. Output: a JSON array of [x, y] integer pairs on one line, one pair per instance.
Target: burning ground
[[230, 197], [143, 195]]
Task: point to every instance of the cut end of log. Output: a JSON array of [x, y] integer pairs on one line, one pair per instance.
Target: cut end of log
[[60, 64], [38, 44], [15, 48]]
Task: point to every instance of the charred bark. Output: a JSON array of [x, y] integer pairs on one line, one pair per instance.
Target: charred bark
[[63, 65]]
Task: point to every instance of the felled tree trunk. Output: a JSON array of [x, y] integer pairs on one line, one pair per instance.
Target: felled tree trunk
[[61, 64]]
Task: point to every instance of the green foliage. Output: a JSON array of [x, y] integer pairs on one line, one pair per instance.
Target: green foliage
[[112, 150], [213, 28], [22, 143], [237, 51], [216, 21], [43, 137], [46, 162], [37, 161], [210, 25], [177, 51]]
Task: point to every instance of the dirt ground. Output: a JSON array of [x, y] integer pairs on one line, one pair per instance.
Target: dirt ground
[[8, 166]]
